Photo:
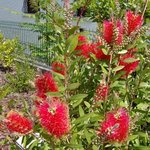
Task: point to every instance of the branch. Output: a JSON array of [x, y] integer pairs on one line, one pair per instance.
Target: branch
[[146, 3]]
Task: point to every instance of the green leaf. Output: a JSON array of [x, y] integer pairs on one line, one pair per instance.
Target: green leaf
[[74, 146], [54, 94], [130, 60], [73, 86], [84, 118], [76, 103], [87, 104], [81, 111], [60, 76], [117, 68], [132, 137], [104, 51], [72, 43], [78, 96], [94, 147], [104, 70], [144, 84], [122, 52], [77, 99], [73, 29], [87, 135], [118, 75], [141, 148]]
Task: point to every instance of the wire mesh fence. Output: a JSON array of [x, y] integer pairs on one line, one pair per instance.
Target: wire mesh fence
[[33, 45], [27, 37]]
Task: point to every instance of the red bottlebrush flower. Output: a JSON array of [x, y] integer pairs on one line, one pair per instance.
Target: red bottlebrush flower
[[54, 117], [116, 126], [134, 22], [58, 67], [44, 84], [129, 67], [108, 27], [120, 32], [83, 47], [94, 48], [17, 123], [82, 39], [108, 31], [101, 92]]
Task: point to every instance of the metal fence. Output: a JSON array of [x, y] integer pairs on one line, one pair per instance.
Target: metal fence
[[27, 37], [33, 47]]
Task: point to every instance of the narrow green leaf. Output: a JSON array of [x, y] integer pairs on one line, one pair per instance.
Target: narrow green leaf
[[87, 135], [130, 60], [60, 76], [81, 111], [74, 146], [94, 147], [87, 104], [104, 51], [132, 137], [122, 52], [104, 70], [54, 94], [117, 68], [78, 96], [72, 42], [77, 102], [141, 148], [73, 86]]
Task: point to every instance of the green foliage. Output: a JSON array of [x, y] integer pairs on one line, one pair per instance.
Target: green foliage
[[100, 10], [7, 51], [20, 80]]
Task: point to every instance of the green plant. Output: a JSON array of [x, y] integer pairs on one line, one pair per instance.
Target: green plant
[[7, 51], [19, 80]]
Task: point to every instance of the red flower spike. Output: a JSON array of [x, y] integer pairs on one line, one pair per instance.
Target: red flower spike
[[82, 39], [44, 84], [120, 32], [101, 92], [58, 67], [84, 50], [108, 31], [83, 47], [94, 48], [116, 126], [17, 123], [128, 67], [134, 22], [108, 27], [54, 117]]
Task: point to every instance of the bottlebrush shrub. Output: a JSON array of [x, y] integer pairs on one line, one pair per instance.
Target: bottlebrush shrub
[[97, 94]]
